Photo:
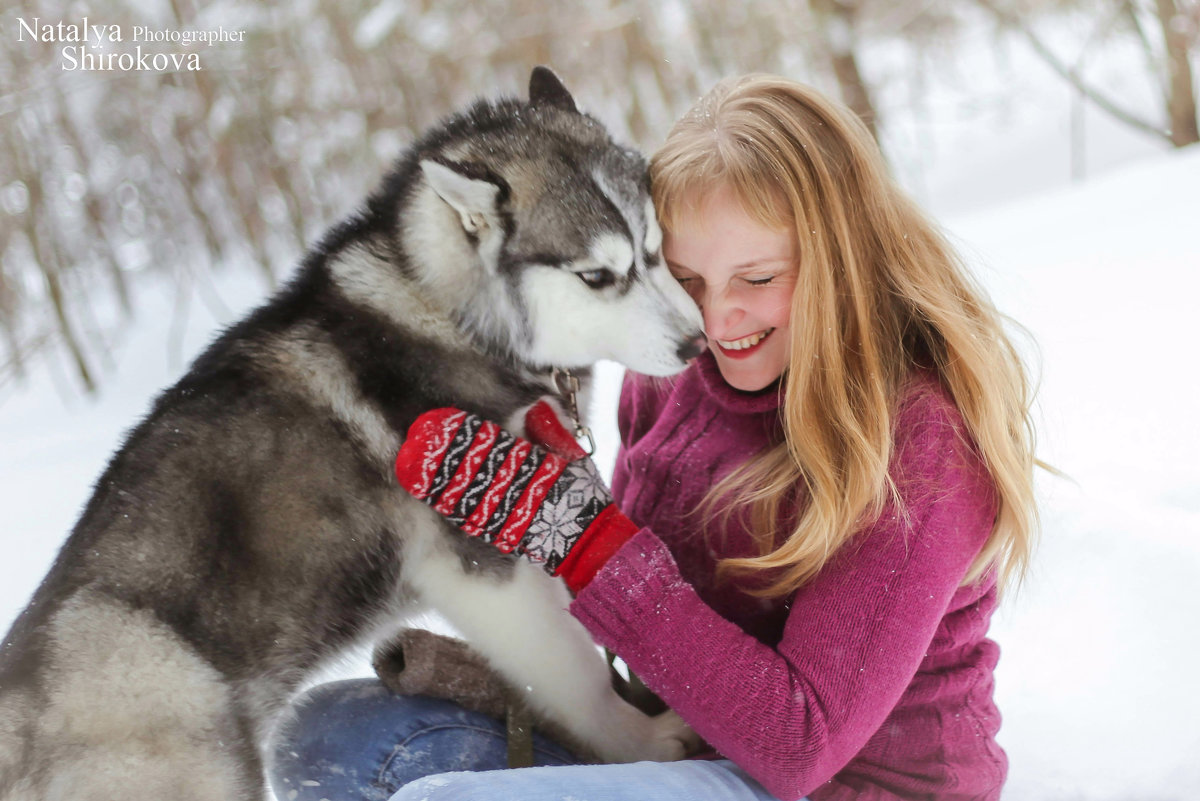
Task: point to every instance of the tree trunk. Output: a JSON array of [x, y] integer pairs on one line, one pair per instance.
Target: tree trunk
[[1181, 93], [836, 19]]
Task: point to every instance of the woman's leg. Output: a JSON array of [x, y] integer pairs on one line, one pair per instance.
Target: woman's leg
[[356, 741], [688, 780]]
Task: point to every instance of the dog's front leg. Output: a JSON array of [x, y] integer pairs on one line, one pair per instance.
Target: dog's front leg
[[519, 622]]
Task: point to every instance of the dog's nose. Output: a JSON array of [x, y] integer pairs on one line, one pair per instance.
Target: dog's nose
[[692, 348]]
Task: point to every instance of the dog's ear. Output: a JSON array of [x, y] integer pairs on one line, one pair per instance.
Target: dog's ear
[[476, 197], [545, 89]]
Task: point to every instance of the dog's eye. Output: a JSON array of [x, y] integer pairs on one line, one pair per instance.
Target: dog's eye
[[597, 279]]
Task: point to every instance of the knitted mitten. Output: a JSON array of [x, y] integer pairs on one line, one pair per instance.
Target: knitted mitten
[[550, 506]]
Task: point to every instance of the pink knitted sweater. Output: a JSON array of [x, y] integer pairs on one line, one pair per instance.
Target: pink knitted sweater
[[874, 680]]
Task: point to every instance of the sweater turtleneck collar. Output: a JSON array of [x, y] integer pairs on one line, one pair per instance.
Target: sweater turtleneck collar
[[735, 400]]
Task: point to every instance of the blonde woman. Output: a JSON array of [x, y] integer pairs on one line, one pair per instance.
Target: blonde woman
[[817, 516]]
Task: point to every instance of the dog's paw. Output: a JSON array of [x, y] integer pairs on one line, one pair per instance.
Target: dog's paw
[[616, 731], [671, 738], [663, 738]]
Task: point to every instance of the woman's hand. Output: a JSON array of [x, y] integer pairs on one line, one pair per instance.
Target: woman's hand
[[545, 500]]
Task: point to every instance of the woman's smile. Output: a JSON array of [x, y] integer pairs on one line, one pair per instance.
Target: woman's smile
[[744, 347]]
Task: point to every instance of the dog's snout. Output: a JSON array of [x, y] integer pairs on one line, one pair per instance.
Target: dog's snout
[[692, 347]]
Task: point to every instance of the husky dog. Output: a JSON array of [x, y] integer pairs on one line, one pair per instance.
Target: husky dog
[[250, 528]]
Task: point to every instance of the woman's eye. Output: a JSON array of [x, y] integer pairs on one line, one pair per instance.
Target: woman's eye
[[760, 281], [597, 279]]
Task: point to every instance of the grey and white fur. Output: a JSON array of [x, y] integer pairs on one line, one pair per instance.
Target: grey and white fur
[[250, 529]]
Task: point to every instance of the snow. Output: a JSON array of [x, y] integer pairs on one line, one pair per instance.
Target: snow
[[1100, 644]]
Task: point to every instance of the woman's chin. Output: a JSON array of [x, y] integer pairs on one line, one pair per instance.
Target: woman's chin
[[747, 378]]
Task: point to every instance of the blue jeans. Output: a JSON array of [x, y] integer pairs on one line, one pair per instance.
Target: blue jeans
[[355, 741]]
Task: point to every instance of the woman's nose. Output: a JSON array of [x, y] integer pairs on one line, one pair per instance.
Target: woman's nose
[[720, 316]]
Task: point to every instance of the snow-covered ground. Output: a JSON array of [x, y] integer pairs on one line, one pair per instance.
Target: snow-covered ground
[[1099, 643]]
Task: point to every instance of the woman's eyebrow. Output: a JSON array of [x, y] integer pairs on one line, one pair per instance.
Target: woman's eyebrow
[[749, 265], [760, 262]]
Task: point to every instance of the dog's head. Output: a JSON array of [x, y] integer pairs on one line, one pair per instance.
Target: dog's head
[[538, 230]]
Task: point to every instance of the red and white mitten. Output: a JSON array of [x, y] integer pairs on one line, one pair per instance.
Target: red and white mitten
[[548, 504]]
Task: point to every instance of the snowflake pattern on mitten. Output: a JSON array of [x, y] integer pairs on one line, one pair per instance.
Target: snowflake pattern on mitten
[[571, 505]]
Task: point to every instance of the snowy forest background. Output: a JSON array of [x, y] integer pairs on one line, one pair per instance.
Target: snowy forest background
[[141, 211]]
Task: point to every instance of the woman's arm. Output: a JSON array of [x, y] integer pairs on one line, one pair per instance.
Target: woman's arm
[[794, 715]]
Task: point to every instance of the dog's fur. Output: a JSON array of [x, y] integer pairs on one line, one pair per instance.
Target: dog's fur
[[250, 528]]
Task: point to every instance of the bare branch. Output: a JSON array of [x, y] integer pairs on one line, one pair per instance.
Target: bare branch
[[1072, 76]]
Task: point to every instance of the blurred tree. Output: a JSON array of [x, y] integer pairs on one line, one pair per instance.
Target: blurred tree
[[1167, 30], [1181, 38], [838, 22], [107, 177]]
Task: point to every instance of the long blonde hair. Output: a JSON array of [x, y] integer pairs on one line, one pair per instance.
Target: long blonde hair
[[880, 291]]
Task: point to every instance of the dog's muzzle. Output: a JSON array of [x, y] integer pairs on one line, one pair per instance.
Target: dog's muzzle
[[691, 348]]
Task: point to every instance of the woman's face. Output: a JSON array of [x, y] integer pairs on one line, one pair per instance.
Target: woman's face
[[741, 275]]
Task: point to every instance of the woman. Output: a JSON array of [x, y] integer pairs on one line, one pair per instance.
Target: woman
[[824, 506]]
